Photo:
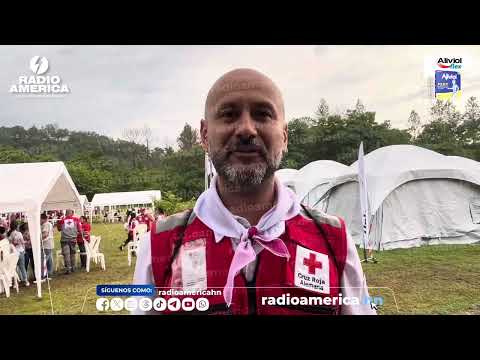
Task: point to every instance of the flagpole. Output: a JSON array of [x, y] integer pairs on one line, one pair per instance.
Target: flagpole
[[362, 187]]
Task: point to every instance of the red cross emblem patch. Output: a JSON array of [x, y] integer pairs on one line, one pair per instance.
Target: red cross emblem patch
[[312, 270]]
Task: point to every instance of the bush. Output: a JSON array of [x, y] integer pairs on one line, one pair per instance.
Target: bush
[[172, 204]]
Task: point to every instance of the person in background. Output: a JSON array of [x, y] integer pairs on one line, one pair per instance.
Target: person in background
[[145, 218], [131, 225], [16, 239], [86, 228], [130, 212], [83, 236], [12, 220], [47, 246], [3, 235], [3, 222], [159, 214], [28, 247], [69, 228]]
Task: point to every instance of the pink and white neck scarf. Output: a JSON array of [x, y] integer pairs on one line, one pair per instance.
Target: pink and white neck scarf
[[210, 210]]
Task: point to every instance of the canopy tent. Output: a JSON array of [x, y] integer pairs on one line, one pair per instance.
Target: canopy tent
[[35, 187], [133, 198], [415, 195]]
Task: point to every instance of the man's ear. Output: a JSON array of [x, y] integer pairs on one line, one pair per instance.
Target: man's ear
[[203, 134], [285, 137]]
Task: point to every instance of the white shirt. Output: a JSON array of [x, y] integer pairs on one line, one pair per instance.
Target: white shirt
[[47, 242], [352, 282], [16, 238]]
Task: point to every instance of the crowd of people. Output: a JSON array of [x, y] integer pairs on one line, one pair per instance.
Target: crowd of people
[[73, 230]]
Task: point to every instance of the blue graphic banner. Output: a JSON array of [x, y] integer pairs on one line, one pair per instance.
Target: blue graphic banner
[[125, 290]]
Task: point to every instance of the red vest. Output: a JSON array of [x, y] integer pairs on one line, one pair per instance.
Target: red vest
[[274, 276]]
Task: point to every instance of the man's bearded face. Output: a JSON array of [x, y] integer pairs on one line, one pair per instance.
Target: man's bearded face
[[245, 162], [247, 133]]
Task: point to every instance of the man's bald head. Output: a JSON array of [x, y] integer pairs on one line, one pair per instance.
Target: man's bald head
[[243, 80], [244, 130]]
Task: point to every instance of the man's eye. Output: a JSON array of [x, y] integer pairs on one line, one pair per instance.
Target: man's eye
[[227, 113], [264, 114]]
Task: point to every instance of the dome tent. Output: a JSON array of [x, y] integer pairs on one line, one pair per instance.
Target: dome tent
[[315, 177], [288, 177], [416, 196]]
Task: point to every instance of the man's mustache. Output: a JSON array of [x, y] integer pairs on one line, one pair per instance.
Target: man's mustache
[[242, 147]]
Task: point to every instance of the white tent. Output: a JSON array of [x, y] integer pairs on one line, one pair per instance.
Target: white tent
[[133, 198], [313, 178], [415, 195], [85, 204], [288, 177], [35, 187]]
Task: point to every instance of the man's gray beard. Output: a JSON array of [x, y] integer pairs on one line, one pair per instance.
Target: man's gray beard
[[246, 176]]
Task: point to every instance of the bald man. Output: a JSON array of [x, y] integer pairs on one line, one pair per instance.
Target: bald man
[[248, 246]]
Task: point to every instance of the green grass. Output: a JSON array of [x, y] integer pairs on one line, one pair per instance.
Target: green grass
[[69, 291], [442, 279], [427, 280]]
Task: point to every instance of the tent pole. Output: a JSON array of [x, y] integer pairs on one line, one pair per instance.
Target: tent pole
[[35, 237]]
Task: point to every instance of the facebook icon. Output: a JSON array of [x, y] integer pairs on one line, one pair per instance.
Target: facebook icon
[[102, 304]]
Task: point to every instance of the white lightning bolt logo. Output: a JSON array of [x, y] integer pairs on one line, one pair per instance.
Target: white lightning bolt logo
[[39, 65]]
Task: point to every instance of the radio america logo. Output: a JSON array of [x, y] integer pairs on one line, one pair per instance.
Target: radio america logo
[[39, 83], [449, 63]]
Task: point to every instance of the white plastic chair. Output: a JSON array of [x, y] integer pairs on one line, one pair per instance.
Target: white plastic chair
[[8, 270], [110, 217], [59, 255], [133, 246], [4, 283], [92, 252]]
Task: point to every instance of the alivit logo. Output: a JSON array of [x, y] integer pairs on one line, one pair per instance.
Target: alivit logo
[[450, 63], [449, 76], [39, 83]]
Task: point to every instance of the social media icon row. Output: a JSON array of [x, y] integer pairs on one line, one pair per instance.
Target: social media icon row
[[158, 304]]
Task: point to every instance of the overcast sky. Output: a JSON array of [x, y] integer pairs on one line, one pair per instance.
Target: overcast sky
[[164, 87]]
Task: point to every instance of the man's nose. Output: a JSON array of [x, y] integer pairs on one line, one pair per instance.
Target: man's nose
[[246, 126]]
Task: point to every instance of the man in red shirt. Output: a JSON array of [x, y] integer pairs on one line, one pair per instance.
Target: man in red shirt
[[69, 227], [145, 218]]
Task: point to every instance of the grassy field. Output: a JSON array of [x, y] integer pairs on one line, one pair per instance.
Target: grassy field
[[428, 280]]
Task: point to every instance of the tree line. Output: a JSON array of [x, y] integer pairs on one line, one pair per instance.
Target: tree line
[[99, 163]]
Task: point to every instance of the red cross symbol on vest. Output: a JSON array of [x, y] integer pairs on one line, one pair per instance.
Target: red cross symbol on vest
[[312, 263]]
